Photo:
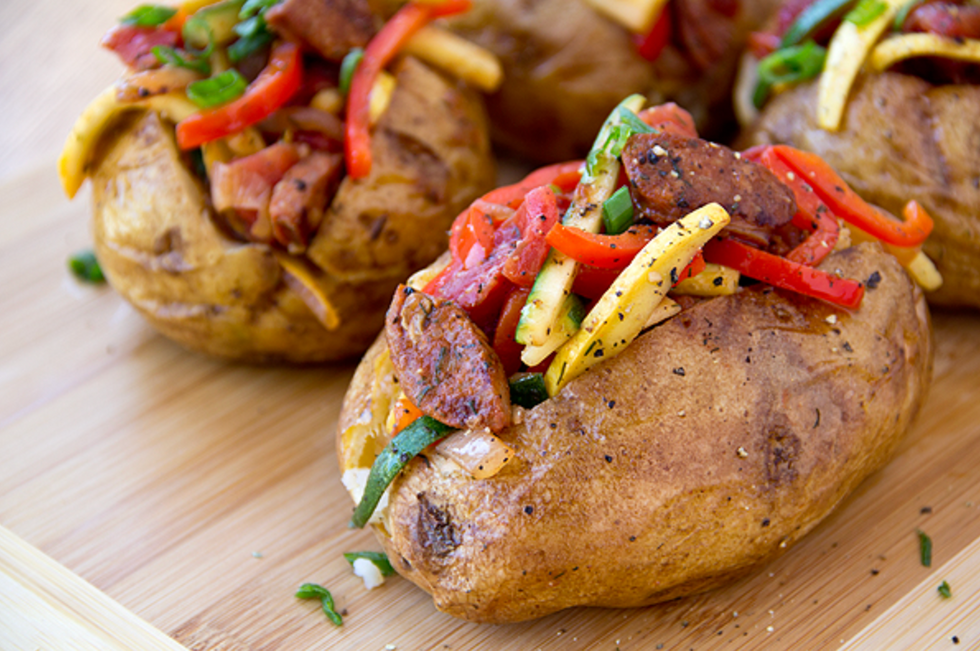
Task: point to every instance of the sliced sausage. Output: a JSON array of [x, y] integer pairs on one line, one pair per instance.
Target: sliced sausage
[[299, 199], [671, 175], [444, 364], [331, 27]]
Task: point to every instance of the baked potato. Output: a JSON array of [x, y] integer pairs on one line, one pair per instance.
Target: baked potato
[[902, 134], [264, 248], [665, 452], [567, 63]]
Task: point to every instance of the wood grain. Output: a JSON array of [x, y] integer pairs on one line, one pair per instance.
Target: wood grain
[[199, 495]]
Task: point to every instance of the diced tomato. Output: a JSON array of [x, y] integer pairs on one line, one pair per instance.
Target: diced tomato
[[504, 344], [651, 44], [671, 118], [134, 45], [949, 19], [536, 216], [471, 238]]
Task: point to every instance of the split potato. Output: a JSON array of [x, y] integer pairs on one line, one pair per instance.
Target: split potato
[[705, 449], [162, 249]]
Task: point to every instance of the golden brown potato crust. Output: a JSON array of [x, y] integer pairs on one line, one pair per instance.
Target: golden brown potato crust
[[160, 249], [705, 449], [902, 139], [566, 67]]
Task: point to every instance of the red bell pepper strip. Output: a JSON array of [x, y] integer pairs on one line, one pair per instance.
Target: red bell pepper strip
[[536, 217], [270, 90], [603, 251], [379, 51], [812, 214], [653, 42], [847, 205], [780, 272], [671, 118], [564, 176], [504, 344]]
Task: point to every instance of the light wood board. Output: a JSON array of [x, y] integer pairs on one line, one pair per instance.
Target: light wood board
[[199, 495]]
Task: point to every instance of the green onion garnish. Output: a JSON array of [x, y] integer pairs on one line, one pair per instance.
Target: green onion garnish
[[944, 590], [790, 65], [812, 19], [171, 56], [379, 559], [148, 16], [865, 12], [86, 267], [314, 591], [617, 211], [527, 390], [256, 7], [219, 89], [925, 549], [403, 448], [348, 66], [246, 45], [903, 13]]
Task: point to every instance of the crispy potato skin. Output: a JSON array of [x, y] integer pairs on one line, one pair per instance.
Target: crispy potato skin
[[566, 66], [902, 139], [156, 240], [629, 487]]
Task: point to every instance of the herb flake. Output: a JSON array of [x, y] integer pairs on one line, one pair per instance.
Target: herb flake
[[944, 590], [925, 548]]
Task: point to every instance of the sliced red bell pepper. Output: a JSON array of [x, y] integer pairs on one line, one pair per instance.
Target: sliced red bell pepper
[[780, 272], [270, 90], [651, 44], [504, 344], [603, 251], [564, 176], [846, 204], [379, 51], [812, 214], [671, 118], [536, 217]]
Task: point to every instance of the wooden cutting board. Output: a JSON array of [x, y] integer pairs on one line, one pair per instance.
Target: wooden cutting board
[[148, 493]]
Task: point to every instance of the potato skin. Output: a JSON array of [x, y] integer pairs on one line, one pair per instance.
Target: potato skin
[[901, 139], [566, 66], [160, 249], [705, 449]]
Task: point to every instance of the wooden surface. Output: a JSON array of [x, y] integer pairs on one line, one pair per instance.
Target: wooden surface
[[196, 496]]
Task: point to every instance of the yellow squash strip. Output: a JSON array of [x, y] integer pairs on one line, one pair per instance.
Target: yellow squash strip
[[715, 280], [467, 61], [637, 16], [898, 48], [304, 279], [924, 273], [381, 92], [846, 54], [623, 311], [563, 330]]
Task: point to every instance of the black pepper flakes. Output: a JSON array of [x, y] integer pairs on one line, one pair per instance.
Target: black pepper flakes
[[529, 509], [873, 280], [875, 571], [609, 458], [679, 371], [925, 510], [765, 522]]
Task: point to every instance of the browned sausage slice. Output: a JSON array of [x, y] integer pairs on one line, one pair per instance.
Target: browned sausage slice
[[444, 363], [672, 175]]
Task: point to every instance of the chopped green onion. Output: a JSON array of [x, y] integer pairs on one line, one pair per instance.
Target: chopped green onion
[[347, 67], [246, 45], [811, 19], [403, 448], [527, 390], [86, 267], [314, 591], [944, 590], [788, 66], [865, 12], [380, 560], [925, 548], [171, 56], [903, 13], [633, 121], [148, 16], [219, 89], [617, 211], [256, 7]]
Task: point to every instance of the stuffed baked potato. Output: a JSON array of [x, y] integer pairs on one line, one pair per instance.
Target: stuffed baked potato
[[906, 127], [567, 63], [254, 241], [671, 445]]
